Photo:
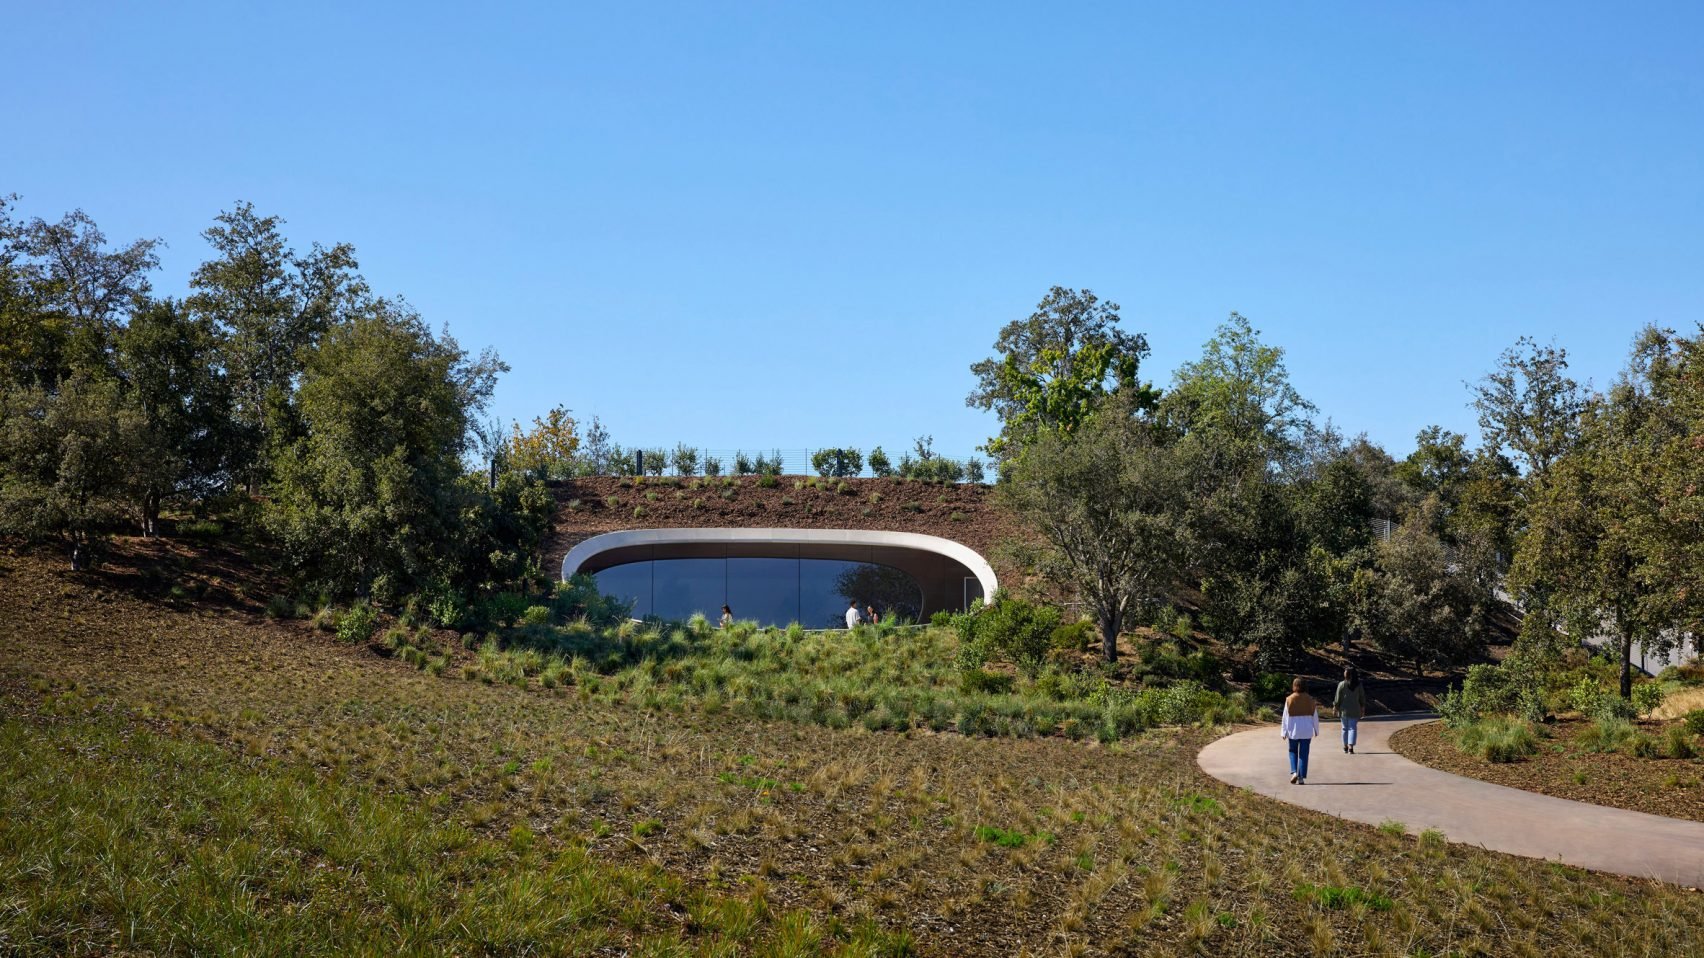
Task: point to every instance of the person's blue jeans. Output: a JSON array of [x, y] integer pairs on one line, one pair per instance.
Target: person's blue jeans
[[1349, 726], [1299, 756]]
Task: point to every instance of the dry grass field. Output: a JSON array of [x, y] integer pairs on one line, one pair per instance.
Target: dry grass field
[[185, 777]]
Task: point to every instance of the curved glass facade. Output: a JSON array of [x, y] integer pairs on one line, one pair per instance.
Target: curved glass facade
[[811, 592]]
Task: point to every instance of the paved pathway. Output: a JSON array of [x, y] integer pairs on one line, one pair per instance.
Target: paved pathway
[[1377, 785]]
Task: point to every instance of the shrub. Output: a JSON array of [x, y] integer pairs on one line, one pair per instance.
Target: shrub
[[978, 682], [684, 460], [712, 466], [879, 464], [1643, 746], [768, 480], [201, 529], [912, 506], [837, 463], [535, 615], [1270, 687], [1695, 721], [974, 472], [1607, 734], [1499, 740], [1073, 637], [1647, 697], [1019, 630], [742, 464], [280, 607], [357, 625], [1678, 742]]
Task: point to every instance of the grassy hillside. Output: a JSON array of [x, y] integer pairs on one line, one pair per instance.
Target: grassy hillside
[[360, 796]]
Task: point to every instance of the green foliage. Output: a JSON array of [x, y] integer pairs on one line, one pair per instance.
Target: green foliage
[[1499, 740], [1073, 636], [66, 461], [1020, 631], [1679, 741], [1607, 734], [976, 681], [837, 463], [1010, 837], [1647, 697], [880, 466], [1694, 721], [684, 459], [1270, 687], [1106, 506], [1594, 701], [357, 625], [1338, 897], [1053, 368], [366, 500]]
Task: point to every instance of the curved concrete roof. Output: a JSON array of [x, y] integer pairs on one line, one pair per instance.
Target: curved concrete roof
[[958, 552]]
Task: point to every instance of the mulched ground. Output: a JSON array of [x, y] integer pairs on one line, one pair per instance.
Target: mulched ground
[[1127, 849], [1659, 786], [963, 513]]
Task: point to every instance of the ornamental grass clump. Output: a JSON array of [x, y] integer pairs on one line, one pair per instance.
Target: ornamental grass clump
[[1499, 740]]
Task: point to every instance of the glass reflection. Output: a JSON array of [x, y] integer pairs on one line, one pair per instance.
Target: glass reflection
[[812, 592]]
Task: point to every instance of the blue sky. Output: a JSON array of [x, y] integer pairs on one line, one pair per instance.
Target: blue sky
[[798, 224]]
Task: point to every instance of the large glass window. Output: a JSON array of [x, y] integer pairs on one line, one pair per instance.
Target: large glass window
[[812, 592]]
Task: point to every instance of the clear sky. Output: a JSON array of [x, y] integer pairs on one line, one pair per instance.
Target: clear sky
[[797, 224]]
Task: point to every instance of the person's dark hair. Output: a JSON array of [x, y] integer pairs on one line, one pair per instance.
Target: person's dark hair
[[1352, 676], [727, 611]]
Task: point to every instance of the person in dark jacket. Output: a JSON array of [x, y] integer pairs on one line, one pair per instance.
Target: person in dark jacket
[[1351, 704]]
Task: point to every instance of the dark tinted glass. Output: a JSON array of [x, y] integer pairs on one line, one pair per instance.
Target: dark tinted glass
[[812, 592], [629, 583], [680, 587], [766, 590]]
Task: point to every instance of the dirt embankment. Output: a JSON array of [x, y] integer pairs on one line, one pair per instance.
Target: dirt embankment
[[963, 513]]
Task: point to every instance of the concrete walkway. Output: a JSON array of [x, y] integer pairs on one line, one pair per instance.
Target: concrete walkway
[[1376, 785]]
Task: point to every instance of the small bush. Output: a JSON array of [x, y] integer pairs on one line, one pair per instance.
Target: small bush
[[768, 480], [201, 529], [1695, 721], [357, 625], [1073, 637], [1647, 697], [1339, 897], [978, 682], [1643, 746], [1678, 743], [1608, 734], [535, 615], [280, 607], [879, 464], [1270, 687], [1499, 740]]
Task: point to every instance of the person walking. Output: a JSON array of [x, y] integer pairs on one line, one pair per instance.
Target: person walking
[[1299, 727], [1351, 704], [852, 616], [727, 617]]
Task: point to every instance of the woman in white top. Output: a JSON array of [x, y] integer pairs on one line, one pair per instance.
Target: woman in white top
[[1300, 727]]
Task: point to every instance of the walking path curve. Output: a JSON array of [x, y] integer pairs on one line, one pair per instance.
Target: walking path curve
[[1377, 785]]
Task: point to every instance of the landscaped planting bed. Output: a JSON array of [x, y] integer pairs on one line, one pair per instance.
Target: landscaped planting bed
[[701, 824], [1574, 760]]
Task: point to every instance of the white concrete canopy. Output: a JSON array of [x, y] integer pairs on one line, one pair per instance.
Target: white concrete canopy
[[586, 551]]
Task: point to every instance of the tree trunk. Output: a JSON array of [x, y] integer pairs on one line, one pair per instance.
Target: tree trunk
[[1110, 623], [1627, 666], [150, 515]]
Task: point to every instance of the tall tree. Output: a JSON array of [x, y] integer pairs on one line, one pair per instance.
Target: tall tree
[[367, 499], [65, 461], [1530, 406], [1052, 368], [1106, 505], [1594, 524], [167, 360], [1239, 394], [272, 305]]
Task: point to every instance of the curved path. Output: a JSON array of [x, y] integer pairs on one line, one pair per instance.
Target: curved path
[[1377, 785]]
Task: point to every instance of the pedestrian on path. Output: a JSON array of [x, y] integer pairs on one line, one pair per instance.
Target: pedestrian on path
[[852, 616], [1300, 727], [1351, 704]]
